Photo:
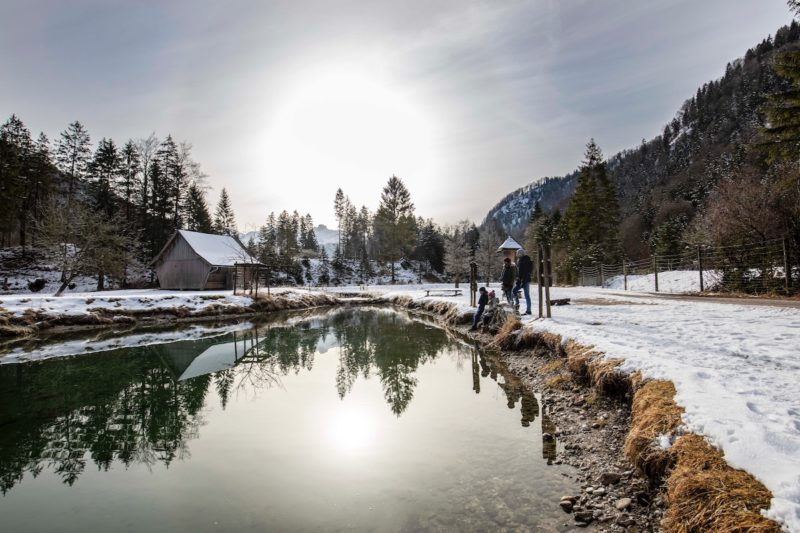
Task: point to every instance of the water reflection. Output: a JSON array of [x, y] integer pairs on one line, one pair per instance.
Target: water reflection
[[143, 405]]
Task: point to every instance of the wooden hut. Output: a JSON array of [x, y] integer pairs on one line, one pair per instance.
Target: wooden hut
[[198, 261], [509, 249]]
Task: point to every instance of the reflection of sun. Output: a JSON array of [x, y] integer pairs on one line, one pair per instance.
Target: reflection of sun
[[351, 428]]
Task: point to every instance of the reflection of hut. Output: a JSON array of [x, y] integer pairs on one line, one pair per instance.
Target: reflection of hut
[[192, 260], [509, 249]]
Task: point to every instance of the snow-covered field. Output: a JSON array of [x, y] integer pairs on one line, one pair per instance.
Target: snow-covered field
[[735, 367], [673, 281]]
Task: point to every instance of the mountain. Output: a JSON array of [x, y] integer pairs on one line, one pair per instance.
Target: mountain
[[664, 183], [327, 238]]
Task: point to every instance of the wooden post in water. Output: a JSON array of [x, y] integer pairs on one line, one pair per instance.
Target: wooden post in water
[[787, 273], [700, 265], [655, 269], [548, 273], [539, 276]]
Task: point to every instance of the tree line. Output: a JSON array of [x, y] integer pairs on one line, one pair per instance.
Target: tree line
[[104, 206]]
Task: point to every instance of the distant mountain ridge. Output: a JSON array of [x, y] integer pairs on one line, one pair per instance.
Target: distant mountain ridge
[[663, 183]]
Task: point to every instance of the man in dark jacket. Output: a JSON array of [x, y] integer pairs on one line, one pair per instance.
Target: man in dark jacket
[[483, 299], [524, 280]]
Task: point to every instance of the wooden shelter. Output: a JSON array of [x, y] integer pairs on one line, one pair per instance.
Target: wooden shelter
[[509, 249], [198, 261]]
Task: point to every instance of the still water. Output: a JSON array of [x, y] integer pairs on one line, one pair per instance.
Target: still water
[[359, 419]]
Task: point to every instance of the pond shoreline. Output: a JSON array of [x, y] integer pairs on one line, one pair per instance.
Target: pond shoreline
[[612, 425]]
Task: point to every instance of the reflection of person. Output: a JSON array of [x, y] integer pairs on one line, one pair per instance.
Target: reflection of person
[[524, 280], [482, 301], [507, 279], [529, 407], [476, 379]]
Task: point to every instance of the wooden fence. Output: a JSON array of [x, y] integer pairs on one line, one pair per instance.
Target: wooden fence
[[772, 266]]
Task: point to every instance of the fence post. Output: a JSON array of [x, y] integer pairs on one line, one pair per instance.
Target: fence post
[[539, 276], [625, 273], [548, 275], [602, 279], [655, 269], [787, 273], [700, 265]]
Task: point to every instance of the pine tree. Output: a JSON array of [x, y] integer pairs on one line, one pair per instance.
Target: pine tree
[[324, 273], [592, 217], [104, 170], [198, 217], [224, 219], [338, 211], [394, 222], [73, 153], [16, 148], [130, 182]]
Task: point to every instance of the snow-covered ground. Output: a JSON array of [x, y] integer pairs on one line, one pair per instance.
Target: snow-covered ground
[[140, 299], [735, 367], [673, 281]]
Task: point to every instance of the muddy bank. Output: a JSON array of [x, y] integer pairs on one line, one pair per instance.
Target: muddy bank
[[637, 471]]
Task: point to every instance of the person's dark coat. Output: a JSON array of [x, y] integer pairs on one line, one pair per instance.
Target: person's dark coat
[[508, 276], [525, 269], [483, 300]]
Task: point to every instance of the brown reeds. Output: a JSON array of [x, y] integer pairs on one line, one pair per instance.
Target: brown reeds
[[654, 413], [706, 494]]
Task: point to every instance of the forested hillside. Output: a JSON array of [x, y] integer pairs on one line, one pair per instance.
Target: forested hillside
[[708, 155]]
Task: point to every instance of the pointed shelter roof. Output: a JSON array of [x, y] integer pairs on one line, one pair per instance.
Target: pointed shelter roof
[[216, 250], [510, 244]]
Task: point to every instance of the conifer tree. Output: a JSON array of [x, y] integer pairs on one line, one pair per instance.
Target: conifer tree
[[197, 216], [592, 217], [324, 273], [104, 172], [224, 219], [73, 154], [394, 222], [129, 175]]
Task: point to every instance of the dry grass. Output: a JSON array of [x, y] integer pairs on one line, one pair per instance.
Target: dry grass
[[578, 358], [706, 494], [607, 379], [553, 366], [506, 338], [654, 413], [559, 381]]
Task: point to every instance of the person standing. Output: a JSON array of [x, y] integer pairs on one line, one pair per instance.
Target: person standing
[[524, 280], [507, 279], [483, 299]]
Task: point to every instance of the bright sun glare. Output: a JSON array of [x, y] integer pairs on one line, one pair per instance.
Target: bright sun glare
[[351, 428], [350, 128]]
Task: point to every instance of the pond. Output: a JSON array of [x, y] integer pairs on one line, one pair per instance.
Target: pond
[[351, 419]]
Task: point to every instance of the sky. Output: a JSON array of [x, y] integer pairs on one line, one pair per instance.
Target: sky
[[285, 101]]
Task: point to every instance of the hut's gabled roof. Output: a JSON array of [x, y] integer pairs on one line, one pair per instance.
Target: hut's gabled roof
[[216, 250], [510, 244]]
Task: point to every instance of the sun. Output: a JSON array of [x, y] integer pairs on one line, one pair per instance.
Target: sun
[[348, 128]]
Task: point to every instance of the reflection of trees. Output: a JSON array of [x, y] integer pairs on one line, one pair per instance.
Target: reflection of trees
[[108, 407], [140, 405]]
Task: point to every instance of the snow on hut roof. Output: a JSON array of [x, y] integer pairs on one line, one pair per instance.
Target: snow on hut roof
[[216, 250], [510, 244]]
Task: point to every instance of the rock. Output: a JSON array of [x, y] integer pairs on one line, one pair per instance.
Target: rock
[[582, 524], [584, 516], [623, 503], [599, 492], [609, 478], [547, 437], [570, 499], [589, 490], [566, 505], [624, 520]]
